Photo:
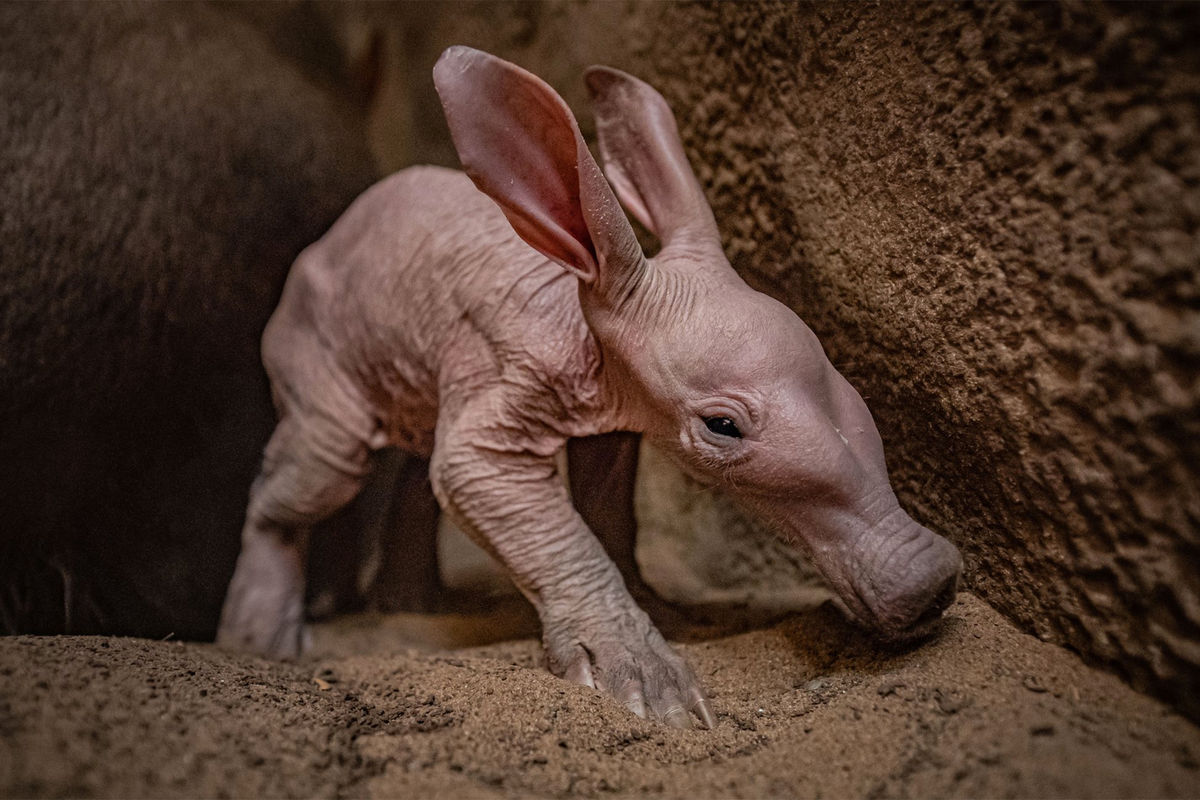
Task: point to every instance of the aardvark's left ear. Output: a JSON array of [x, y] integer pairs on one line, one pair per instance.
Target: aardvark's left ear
[[520, 143]]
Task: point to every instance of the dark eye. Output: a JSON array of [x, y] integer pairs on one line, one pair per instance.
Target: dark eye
[[723, 426]]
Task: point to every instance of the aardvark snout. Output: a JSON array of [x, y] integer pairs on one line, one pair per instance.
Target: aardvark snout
[[913, 586]]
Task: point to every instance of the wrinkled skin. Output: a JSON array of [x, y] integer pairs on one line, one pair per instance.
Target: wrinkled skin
[[421, 320]]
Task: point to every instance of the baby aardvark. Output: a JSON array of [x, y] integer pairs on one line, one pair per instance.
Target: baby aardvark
[[483, 320]]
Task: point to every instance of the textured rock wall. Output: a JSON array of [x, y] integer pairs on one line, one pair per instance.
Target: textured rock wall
[[988, 214]]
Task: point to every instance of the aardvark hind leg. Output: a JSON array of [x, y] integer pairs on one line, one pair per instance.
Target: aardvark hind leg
[[309, 471]]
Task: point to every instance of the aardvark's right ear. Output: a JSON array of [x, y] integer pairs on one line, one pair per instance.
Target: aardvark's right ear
[[519, 142]]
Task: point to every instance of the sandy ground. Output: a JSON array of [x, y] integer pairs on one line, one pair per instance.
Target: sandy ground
[[390, 706]]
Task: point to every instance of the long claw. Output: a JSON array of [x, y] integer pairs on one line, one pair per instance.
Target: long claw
[[632, 698], [580, 672], [676, 717], [705, 714]]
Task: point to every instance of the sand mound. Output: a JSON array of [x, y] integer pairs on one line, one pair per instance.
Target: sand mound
[[806, 707]]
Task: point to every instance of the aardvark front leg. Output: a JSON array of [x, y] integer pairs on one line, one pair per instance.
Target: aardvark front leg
[[511, 501]]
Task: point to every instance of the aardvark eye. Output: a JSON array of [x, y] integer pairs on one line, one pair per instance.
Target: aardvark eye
[[723, 426]]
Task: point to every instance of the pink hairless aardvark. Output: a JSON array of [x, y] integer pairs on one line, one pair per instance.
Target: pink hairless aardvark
[[485, 319]]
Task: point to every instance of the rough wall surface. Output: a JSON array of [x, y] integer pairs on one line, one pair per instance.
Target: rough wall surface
[[988, 214]]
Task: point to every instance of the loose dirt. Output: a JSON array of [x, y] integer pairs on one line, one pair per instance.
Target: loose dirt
[[392, 706]]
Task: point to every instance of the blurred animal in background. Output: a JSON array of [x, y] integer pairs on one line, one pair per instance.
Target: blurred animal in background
[[161, 165]]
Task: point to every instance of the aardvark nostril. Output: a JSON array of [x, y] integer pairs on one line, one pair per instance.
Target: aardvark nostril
[[938, 601], [945, 594]]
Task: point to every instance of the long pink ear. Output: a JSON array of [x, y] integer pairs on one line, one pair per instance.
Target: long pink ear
[[644, 158], [518, 141]]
